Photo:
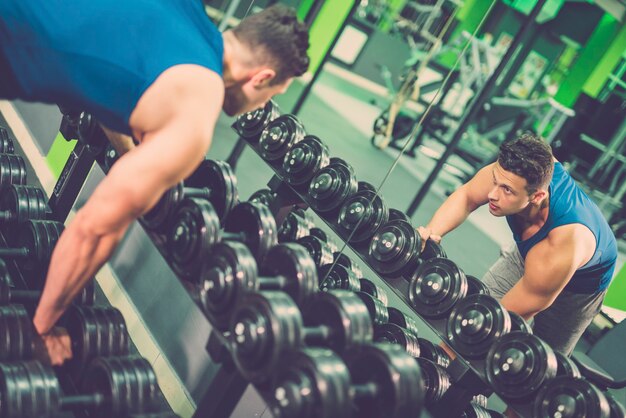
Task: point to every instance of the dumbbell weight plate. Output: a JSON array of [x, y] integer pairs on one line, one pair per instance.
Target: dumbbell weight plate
[[436, 287], [336, 276], [393, 334], [16, 333], [399, 318], [279, 136], [565, 366], [39, 237], [220, 179], [229, 271], [250, 125], [373, 289], [318, 250], [436, 380], [161, 212], [292, 228], [304, 159], [475, 323], [332, 185], [6, 143], [377, 311], [396, 214], [566, 396], [518, 364], [433, 352], [24, 202], [519, 324], [432, 250], [264, 196], [319, 233], [12, 170], [397, 375], [193, 230], [361, 215], [476, 286], [320, 374], [343, 260], [258, 225], [394, 248]]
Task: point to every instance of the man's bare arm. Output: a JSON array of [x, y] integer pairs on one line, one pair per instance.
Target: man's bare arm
[[121, 143], [549, 266]]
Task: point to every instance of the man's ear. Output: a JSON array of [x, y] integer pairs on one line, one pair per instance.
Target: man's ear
[[536, 197], [263, 78]]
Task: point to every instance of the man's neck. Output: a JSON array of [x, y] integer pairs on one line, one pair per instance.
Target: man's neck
[[535, 214]]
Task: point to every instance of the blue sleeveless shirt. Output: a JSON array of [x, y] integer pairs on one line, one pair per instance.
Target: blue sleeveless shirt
[[100, 55], [569, 205]]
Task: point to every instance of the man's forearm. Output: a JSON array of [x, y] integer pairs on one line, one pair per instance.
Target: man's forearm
[[450, 214], [122, 143], [76, 258]]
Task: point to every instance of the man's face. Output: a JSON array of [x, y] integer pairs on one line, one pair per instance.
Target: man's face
[[508, 196], [251, 94]]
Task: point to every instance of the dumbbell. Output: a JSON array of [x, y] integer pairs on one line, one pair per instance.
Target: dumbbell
[[110, 157], [362, 214], [565, 366], [474, 410], [337, 276], [319, 250], [321, 234], [265, 325], [264, 196], [343, 260], [436, 286], [402, 320], [116, 387], [518, 364], [6, 143], [9, 295], [293, 228], [195, 228], [278, 137], [250, 125], [19, 203], [212, 180], [12, 170], [476, 286], [394, 334], [566, 396], [378, 312], [377, 380], [230, 271], [394, 249], [436, 380], [93, 331], [475, 323], [519, 324], [398, 214], [35, 242], [304, 160], [433, 352], [331, 186]]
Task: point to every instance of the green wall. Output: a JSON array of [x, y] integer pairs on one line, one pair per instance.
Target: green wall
[[607, 64]]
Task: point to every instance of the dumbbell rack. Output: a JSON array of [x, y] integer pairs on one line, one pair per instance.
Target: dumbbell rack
[[467, 376]]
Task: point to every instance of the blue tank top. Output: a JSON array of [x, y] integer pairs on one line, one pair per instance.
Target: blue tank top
[[100, 55], [569, 205]]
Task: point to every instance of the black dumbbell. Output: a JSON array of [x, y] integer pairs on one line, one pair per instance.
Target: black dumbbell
[[331, 186], [394, 334], [12, 170], [110, 157], [475, 323], [19, 203], [338, 276], [476, 286], [518, 364], [432, 249], [394, 249], [116, 387], [250, 125], [319, 250], [398, 214], [9, 295], [436, 286], [321, 234], [474, 410], [342, 259], [304, 160], [519, 324], [566, 396], [401, 319], [278, 137], [433, 352], [378, 312], [230, 271], [212, 180], [35, 242], [379, 380], [6, 143], [93, 331], [264, 196], [195, 229], [436, 381], [361, 215], [293, 228], [267, 324], [566, 366], [374, 290]]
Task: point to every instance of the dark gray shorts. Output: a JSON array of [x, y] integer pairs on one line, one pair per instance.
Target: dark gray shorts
[[562, 324]]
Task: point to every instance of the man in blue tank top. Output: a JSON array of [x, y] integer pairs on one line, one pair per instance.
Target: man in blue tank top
[[159, 71], [564, 255]]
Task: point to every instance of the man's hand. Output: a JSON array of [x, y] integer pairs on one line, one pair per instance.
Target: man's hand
[[53, 347], [426, 234]]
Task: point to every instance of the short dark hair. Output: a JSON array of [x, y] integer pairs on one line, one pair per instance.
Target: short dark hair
[[278, 31], [529, 157]]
